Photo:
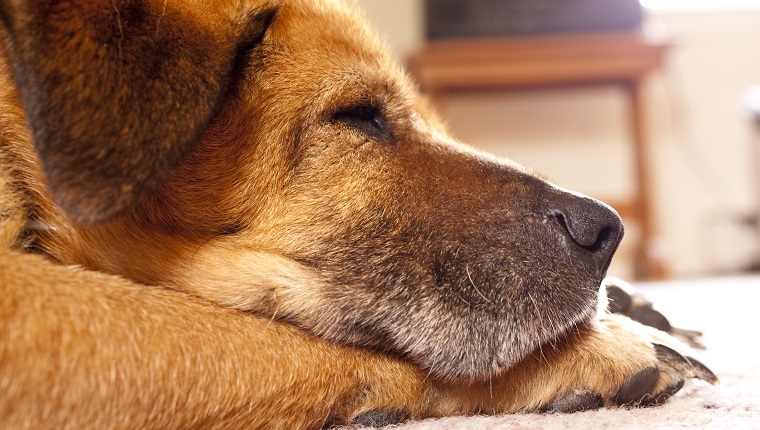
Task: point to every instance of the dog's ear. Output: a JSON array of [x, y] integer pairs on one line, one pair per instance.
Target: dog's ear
[[117, 91]]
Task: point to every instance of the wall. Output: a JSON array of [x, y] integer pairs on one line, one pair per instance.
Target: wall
[[704, 170]]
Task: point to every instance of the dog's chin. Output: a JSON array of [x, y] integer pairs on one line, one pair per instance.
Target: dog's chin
[[484, 345], [453, 346], [478, 354]]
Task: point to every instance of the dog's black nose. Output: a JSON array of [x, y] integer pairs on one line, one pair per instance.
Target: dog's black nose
[[591, 224]]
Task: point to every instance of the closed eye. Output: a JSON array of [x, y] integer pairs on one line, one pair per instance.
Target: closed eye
[[366, 119]]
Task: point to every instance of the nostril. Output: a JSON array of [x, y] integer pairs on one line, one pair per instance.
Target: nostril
[[590, 225], [592, 239], [604, 238]]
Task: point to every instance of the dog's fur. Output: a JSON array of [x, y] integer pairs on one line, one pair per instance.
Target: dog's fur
[[198, 159]]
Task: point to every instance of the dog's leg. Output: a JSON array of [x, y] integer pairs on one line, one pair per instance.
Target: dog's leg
[[81, 349]]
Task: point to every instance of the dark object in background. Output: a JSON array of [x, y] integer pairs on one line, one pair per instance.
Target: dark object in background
[[484, 18], [752, 105]]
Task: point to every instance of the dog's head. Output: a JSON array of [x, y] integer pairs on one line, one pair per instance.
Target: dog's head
[[270, 157]]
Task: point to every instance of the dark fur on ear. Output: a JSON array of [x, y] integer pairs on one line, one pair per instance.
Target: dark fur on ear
[[117, 91]]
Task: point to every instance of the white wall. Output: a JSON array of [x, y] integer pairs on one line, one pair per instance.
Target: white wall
[[702, 141]]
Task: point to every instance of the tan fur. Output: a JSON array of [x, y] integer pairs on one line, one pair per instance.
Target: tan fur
[[220, 290], [11, 213]]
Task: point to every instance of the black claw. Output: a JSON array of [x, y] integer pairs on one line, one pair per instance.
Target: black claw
[[674, 359], [689, 367], [379, 418], [636, 387], [650, 317], [619, 299], [575, 402], [702, 372]]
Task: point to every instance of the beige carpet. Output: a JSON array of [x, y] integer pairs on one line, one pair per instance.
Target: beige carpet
[[727, 310]]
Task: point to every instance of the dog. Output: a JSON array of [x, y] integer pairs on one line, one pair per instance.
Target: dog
[[242, 214]]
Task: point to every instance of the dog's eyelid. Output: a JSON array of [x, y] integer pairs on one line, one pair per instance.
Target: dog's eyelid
[[366, 112], [367, 118]]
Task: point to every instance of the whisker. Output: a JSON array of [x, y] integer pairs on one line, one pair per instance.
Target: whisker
[[467, 269]]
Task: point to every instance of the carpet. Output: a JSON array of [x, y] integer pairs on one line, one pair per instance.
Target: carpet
[[727, 311]]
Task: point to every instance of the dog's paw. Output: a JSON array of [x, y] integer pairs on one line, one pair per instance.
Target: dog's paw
[[620, 363], [623, 299], [647, 387]]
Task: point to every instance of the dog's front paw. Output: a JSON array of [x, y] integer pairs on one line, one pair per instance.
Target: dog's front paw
[[611, 362], [650, 386], [618, 362]]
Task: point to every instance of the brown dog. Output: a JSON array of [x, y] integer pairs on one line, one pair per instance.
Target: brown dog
[[199, 159]]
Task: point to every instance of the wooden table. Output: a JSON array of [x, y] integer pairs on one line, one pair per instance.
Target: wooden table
[[619, 58]]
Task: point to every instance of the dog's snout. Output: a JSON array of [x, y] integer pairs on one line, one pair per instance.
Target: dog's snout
[[592, 225]]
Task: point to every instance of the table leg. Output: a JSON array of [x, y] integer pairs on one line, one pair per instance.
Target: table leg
[[650, 258]]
